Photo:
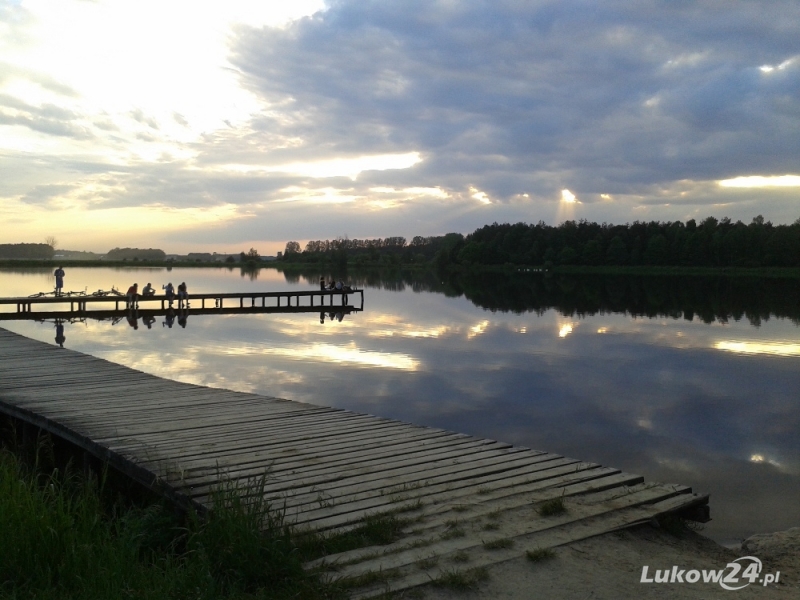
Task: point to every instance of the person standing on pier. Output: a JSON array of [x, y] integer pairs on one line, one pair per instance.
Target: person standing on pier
[[183, 295], [59, 275]]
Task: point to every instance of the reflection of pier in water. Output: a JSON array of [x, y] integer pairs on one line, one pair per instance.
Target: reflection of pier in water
[[307, 301]]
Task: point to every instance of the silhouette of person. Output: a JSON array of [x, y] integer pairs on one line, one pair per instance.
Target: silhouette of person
[[182, 295], [148, 290], [182, 317], [169, 319], [59, 275], [60, 338], [322, 317], [133, 320], [149, 320], [133, 295], [322, 283], [169, 292]]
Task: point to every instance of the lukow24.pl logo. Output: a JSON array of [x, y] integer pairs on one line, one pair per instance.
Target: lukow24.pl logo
[[735, 576]]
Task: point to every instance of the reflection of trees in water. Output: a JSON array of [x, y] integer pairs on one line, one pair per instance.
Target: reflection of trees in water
[[249, 271], [706, 298]]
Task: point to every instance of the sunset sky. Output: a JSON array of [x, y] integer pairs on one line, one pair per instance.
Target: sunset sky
[[220, 126]]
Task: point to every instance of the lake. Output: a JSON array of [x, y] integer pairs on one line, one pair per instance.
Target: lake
[[683, 380]]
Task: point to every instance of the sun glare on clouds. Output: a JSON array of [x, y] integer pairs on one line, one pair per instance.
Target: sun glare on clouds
[[758, 181], [150, 69], [339, 167]]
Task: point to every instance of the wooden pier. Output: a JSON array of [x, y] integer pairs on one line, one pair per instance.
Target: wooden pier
[[79, 303], [470, 502]]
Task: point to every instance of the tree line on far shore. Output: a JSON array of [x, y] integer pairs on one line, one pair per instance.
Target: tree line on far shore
[[710, 243]]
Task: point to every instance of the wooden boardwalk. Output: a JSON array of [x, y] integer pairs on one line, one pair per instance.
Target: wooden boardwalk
[[470, 502]]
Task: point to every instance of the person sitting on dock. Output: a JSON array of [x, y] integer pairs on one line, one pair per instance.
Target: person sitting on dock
[[339, 285], [59, 275], [133, 295], [182, 295], [148, 290], [169, 292]]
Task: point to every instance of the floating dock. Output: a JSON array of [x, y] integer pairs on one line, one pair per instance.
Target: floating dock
[[469, 502]]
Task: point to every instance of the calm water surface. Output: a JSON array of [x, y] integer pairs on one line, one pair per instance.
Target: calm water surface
[[712, 402]]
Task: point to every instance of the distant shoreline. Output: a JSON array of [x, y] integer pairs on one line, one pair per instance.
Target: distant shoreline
[[509, 269]]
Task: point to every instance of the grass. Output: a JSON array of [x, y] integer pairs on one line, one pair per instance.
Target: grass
[[540, 554], [428, 563], [499, 544], [66, 535], [554, 506], [379, 529], [462, 580]]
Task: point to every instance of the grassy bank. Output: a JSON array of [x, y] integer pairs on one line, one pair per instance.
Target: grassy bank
[[66, 535]]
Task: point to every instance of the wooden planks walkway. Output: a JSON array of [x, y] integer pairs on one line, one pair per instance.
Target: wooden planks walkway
[[470, 502]]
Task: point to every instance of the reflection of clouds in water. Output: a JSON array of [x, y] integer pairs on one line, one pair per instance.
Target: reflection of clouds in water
[[477, 329], [773, 348], [349, 354]]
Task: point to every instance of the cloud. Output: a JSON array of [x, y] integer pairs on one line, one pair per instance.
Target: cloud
[[638, 110], [610, 95]]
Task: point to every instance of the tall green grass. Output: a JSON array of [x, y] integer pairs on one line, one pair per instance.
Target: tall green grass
[[64, 535]]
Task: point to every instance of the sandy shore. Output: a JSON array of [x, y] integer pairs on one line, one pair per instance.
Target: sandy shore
[[610, 567]]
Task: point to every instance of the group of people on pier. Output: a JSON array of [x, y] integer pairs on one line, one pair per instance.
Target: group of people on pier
[[334, 285], [149, 291]]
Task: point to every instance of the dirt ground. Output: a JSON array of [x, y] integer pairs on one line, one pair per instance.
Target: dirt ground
[[610, 567]]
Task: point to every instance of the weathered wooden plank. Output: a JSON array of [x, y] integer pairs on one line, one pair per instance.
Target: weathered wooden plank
[[287, 468], [281, 419], [231, 452], [396, 471]]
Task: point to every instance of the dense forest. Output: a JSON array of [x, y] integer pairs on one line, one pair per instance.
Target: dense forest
[[710, 243]]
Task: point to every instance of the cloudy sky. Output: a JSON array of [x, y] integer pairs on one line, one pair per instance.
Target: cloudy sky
[[220, 126]]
